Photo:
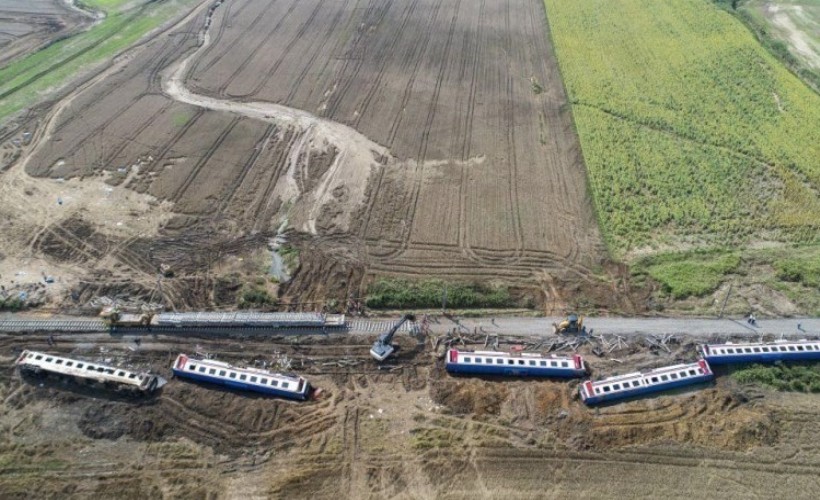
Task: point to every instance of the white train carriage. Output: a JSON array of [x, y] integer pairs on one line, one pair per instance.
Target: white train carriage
[[761, 352], [514, 364], [38, 363], [640, 383], [247, 379]]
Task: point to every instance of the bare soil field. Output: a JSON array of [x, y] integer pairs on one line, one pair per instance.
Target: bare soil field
[[409, 432], [417, 139], [27, 25]]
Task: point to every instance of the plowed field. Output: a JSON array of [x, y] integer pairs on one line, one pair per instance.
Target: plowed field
[[426, 138]]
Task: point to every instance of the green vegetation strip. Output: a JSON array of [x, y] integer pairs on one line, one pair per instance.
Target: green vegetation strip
[[684, 275], [781, 376], [400, 294], [24, 81], [692, 133]]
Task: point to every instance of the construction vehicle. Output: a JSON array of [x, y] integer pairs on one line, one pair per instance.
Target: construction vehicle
[[382, 347], [573, 324]]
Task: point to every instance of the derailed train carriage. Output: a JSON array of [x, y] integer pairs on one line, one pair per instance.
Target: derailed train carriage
[[38, 364], [761, 352], [247, 379], [514, 364], [640, 383]]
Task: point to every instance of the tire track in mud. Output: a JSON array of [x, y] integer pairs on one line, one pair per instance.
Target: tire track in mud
[[180, 191], [269, 74], [385, 60], [246, 168], [306, 69], [221, 90], [166, 148], [222, 25], [422, 49], [361, 35]]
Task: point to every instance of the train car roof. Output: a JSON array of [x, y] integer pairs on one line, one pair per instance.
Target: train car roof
[[258, 371]]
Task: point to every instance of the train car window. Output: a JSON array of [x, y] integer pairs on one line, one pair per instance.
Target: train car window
[[791, 347], [243, 377], [543, 363], [221, 373], [606, 388], [139, 377], [58, 362], [274, 383], [38, 358], [192, 367], [800, 348], [478, 360], [756, 349], [673, 376], [597, 390], [654, 380], [520, 361], [100, 369], [466, 360], [109, 371], [553, 363], [263, 381], [201, 369], [133, 375], [48, 360], [285, 385], [700, 370], [532, 363], [212, 371], [636, 383], [765, 349], [79, 365], [121, 374], [69, 363], [747, 350], [692, 373], [564, 364], [510, 361], [233, 375], [664, 378], [90, 367], [254, 379], [499, 361], [730, 351], [616, 387]]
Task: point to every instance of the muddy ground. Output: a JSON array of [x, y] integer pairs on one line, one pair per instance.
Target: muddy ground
[[29, 25], [365, 134], [410, 431]]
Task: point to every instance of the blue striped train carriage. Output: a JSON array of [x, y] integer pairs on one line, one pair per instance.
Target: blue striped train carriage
[[514, 364], [39, 363], [761, 352], [246, 379], [640, 383]]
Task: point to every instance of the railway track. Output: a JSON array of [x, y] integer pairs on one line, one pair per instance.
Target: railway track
[[363, 326]]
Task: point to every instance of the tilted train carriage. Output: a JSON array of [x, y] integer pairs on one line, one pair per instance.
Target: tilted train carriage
[[38, 363], [640, 383], [761, 352], [247, 379], [515, 365]]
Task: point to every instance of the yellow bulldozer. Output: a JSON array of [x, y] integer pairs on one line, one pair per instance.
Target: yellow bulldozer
[[573, 324]]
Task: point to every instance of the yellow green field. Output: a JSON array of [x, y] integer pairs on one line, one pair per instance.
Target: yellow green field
[[692, 133]]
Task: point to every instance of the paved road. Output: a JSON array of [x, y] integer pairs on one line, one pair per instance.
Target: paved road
[[11, 323]]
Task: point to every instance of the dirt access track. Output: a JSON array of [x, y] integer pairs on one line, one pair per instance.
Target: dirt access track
[[419, 138], [409, 432]]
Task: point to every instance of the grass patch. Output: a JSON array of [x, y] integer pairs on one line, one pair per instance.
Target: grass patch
[[255, 296], [700, 136], [796, 377], [401, 294], [800, 269], [689, 274], [290, 257], [429, 438]]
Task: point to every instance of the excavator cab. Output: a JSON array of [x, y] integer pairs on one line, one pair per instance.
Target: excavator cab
[[382, 347]]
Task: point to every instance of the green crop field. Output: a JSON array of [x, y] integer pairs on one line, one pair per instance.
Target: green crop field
[[693, 134]]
